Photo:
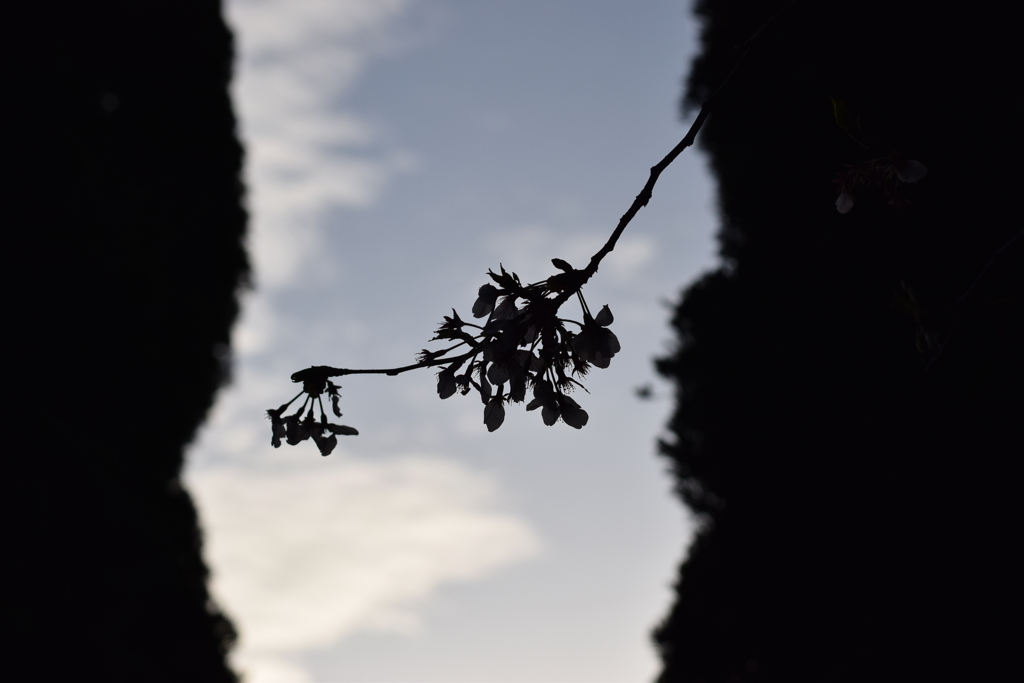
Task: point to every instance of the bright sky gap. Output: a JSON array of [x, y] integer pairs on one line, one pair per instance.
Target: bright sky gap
[[395, 152]]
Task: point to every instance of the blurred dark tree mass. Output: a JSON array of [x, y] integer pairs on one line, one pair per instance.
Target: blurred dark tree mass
[[123, 256], [848, 424]]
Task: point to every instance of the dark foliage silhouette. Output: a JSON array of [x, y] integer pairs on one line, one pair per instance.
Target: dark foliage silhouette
[[849, 413], [123, 260]]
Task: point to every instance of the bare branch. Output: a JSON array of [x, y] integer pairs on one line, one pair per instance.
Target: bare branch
[[523, 347], [327, 371]]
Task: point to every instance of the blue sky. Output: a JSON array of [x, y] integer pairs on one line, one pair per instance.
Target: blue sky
[[396, 150]]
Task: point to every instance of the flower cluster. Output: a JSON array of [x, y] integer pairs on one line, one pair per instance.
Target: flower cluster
[[303, 424], [524, 345], [886, 172]]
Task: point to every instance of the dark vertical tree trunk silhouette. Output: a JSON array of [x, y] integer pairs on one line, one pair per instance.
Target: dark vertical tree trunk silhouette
[[123, 258], [861, 514]]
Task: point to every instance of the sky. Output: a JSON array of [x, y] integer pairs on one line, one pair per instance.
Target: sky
[[396, 151]]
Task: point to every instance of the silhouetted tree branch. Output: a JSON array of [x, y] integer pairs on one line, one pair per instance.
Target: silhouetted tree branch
[[524, 346]]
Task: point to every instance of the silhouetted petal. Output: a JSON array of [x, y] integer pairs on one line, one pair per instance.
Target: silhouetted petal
[[596, 344], [295, 430], [845, 202], [452, 323], [544, 397], [529, 361], [506, 309], [332, 391], [604, 317], [485, 389], [542, 390], [494, 413], [446, 385], [344, 430], [572, 414], [326, 444], [497, 373], [277, 427], [509, 281], [910, 171], [516, 384], [607, 343], [584, 345], [485, 299], [425, 356]]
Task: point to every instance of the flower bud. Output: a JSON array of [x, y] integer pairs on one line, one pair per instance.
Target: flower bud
[[494, 413], [845, 202], [446, 384]]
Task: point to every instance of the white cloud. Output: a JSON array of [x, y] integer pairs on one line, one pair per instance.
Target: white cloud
[[296, 61], [305, 557], [631, 255]]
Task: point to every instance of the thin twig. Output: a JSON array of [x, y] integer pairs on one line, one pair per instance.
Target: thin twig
[[984, 271], [328, 371], [639, 202], [963, 298], [691, 135]]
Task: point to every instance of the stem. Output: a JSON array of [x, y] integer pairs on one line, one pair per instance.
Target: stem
[[341, 372], [452, 348], [302, 408], [285, 406], [963, 298], [583, 304], [984, 271]]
